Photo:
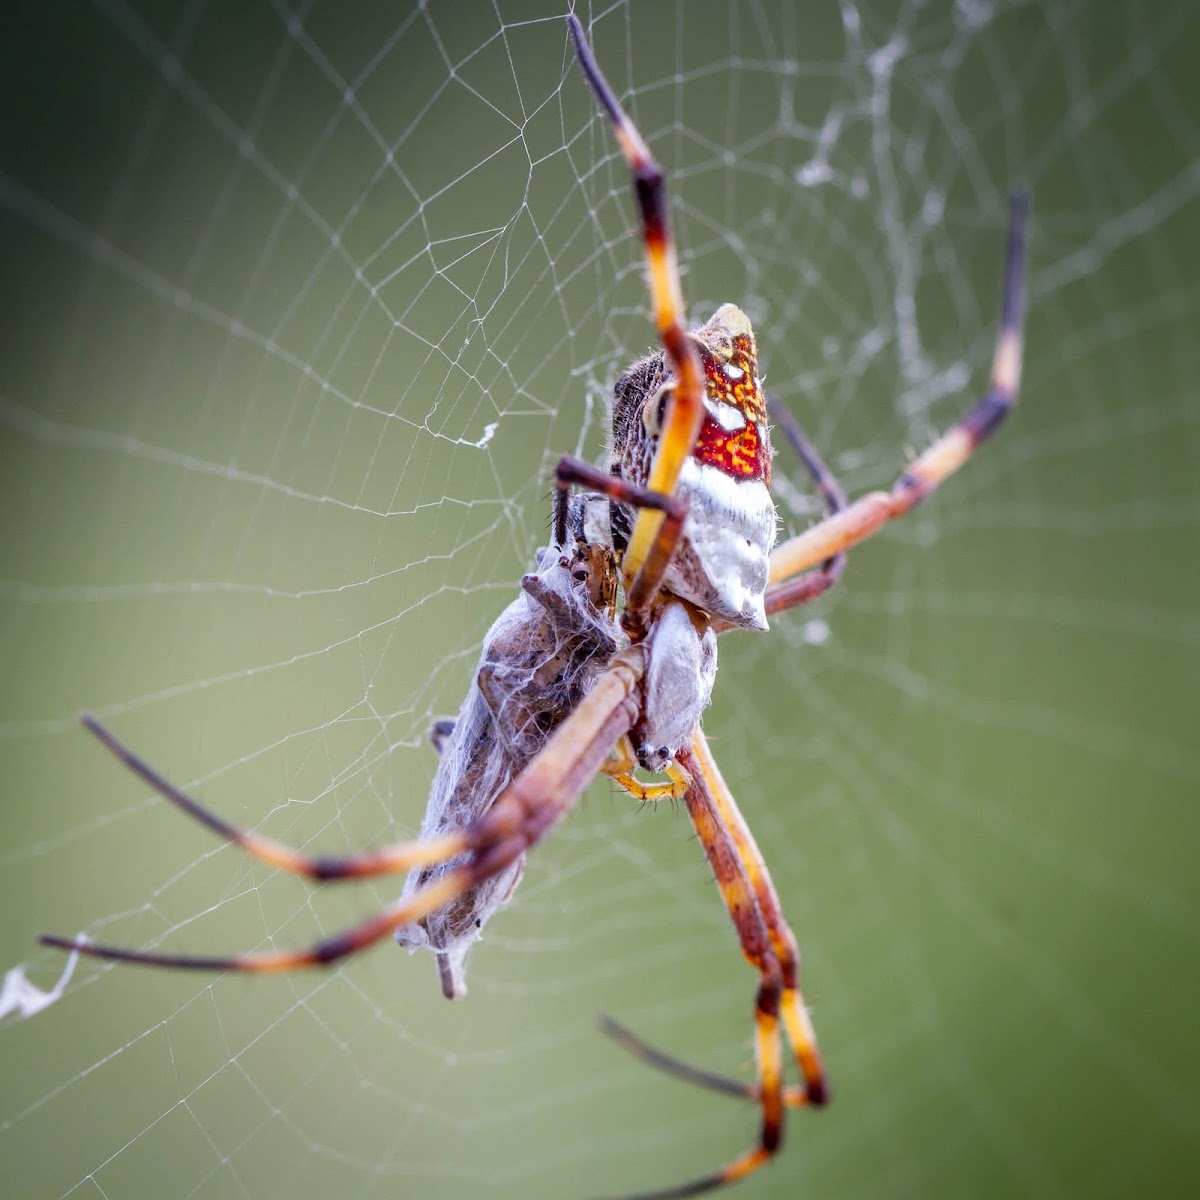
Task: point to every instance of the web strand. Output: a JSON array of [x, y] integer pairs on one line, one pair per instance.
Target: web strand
[[302, 313]]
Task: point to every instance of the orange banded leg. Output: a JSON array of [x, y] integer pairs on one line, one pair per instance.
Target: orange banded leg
[[388, 860], [620, 770], [862, 518], [738, 894], [701, 765], [698, 762], [520, 816], [649, 554]]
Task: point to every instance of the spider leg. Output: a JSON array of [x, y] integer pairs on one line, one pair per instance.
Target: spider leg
[[520, 816], [640, 594], [620, 770], [698, 761], [573, 471], [348, 942], [385, 861], [867, 514], [668, 1064], [652, 541], [738, 890], [803, 588]]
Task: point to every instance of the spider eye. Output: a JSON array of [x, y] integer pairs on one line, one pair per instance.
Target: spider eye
[[664, 752]]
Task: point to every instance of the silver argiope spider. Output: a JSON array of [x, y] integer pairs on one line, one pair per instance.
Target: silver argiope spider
[[566, 689]]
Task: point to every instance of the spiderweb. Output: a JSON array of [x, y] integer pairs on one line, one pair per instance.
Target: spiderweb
[[302, 303]]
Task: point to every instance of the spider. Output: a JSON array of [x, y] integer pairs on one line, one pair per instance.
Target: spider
[[539, 658], [690, 531]]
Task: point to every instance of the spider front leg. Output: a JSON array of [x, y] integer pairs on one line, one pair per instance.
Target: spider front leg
[[652, 542], [711, 790], [762, 934], [869, 513]]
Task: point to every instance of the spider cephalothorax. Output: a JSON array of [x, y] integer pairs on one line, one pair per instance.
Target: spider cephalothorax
[[721, 561]]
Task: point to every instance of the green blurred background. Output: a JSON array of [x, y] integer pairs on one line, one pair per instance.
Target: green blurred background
[[299, 308]]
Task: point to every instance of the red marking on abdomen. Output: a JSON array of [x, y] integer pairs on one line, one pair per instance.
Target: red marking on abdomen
[[742, 454]]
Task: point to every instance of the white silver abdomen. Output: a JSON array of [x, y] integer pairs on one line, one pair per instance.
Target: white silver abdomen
[[722, 562]]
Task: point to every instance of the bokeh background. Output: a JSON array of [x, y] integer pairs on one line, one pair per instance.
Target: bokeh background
[[300, 304]]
